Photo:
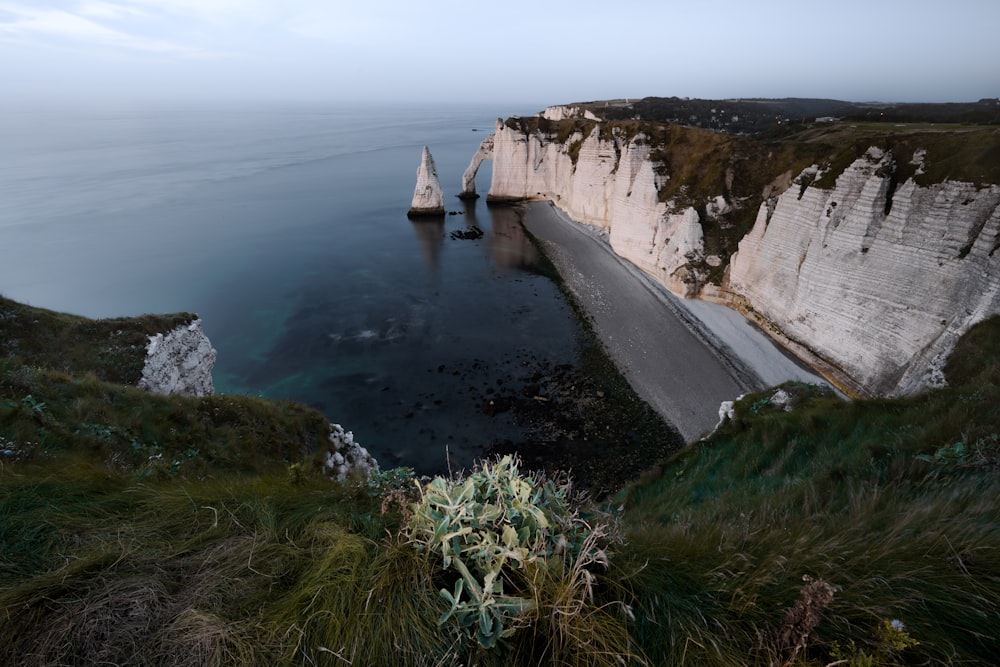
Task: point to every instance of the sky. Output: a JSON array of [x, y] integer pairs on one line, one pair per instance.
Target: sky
[[540, 51]]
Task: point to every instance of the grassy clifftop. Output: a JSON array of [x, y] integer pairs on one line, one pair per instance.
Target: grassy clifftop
[[146, 530], [113, 349], [67, 388]]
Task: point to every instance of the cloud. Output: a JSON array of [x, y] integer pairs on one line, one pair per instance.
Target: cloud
[[87, 26], [219, 11], [111, 11]]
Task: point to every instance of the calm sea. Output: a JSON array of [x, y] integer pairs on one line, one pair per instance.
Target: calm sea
[[285, 229]]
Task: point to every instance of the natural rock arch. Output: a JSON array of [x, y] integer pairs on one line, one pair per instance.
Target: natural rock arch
[[483, 153]]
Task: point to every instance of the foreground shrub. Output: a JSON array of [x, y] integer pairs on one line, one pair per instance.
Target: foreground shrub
[[515, 555]]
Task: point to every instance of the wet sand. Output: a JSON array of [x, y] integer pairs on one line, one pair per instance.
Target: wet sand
[[682, 361]]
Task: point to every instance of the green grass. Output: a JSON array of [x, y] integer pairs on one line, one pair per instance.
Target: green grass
[[112, 349], [111, 554], [874, 497], [45, 412]]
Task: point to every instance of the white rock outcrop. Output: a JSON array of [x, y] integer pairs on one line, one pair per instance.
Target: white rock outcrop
[[875, 282], [344, 456], [428, 198], [179, 362], [563, 112], [610, 182], [484, 152]]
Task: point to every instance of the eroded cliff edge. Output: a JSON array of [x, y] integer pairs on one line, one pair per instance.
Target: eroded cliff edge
[[867, 252]]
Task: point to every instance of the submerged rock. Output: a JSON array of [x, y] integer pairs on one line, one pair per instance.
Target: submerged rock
[[179, 362], [428, 198]]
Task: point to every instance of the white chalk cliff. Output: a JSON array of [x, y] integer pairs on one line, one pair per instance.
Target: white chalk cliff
[[612, 183], [179, 362], [428, 198], [484, 152], [870, 283], [879, 296]]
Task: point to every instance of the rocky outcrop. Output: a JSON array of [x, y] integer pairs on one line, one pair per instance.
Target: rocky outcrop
[[563, 112], [428, 198], [875, 282], [179, 362], [344, 457], [484, 152]]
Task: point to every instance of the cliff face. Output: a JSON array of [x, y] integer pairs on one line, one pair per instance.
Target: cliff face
[[179, 362], [876, 281], [871, 281], [611, 182]]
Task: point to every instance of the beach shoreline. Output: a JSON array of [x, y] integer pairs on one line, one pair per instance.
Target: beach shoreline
[[683, 357]]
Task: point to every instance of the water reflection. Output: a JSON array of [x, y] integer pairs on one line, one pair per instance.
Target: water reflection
[[469, 211], [430, 234], [510, 247]]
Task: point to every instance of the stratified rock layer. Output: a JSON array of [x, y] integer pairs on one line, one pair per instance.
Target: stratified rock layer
[[179, 362], [881, 297], [428, 198], [609, 182], [869, 282]]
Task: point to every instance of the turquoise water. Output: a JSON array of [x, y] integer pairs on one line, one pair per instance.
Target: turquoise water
[[285, 229]]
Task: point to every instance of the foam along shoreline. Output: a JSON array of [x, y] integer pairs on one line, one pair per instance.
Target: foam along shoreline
[[683, 357]]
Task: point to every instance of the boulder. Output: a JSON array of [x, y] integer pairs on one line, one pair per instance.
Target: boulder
[[179, 362]]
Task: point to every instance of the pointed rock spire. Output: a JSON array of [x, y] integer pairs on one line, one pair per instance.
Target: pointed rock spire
[[428, 198]]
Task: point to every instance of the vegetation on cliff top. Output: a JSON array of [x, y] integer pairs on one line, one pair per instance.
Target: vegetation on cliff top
[[112, 349], [861, 532], [702, 164], [764, 116]]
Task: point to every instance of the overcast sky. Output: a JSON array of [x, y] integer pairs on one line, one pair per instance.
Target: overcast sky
[[537, 51]]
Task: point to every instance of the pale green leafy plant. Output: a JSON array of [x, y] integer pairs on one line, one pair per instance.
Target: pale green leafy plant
[[486, 528]]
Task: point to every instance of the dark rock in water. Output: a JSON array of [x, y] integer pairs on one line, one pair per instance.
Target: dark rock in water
[[495, 406], [470, 233], [468, 195]]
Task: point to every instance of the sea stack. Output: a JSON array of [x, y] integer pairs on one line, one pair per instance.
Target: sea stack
[[428, 198]]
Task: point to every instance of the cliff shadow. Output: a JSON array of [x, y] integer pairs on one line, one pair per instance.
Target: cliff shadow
[[510, 246]]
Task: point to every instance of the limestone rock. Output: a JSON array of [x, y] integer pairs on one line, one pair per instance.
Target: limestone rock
[[610, 180], [179, 362], [727, 410], [484, 152], [428, 198], [870, 282], [344, 456], [781, 399], [880, 290], [562, 112]]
